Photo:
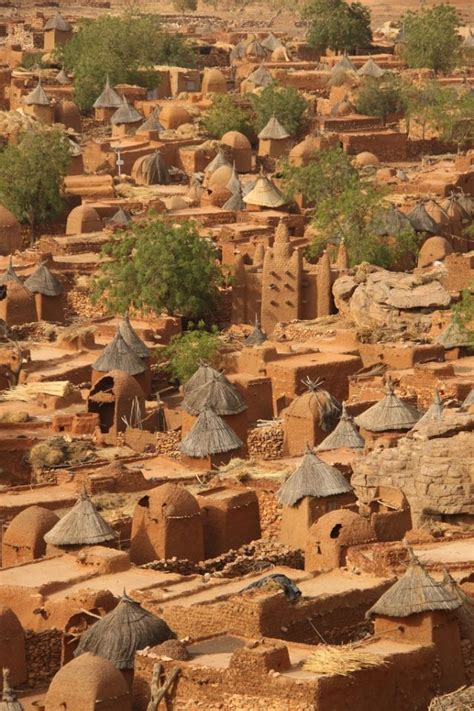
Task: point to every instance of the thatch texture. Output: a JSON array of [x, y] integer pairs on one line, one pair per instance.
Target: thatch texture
[[271, 42], [276, 581], [126, 113], [371, 69], [235, 203], [132, 339], [273, 131], [260, 77], [390, 414], [62, 78], [118, 355], [152, 170], [312, 478], [209, 435], [464, 613], [109, 98], [317, 403], [421, 221], [218, 161], [264, 194], [414, 592], [120, 219], [37, 97], [122, 632], [9, 275], [390, 222], [257, 337], [57, 22], [345, 436], [216, 393], [343, 661], [42, 281], [460, 700], [433, 414], [152, 123], [234, 182], [81, 526], [202, 375], [344, 63], [453, 336]]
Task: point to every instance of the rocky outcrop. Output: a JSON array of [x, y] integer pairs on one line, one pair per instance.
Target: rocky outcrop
[[378, 299], [434, 468]]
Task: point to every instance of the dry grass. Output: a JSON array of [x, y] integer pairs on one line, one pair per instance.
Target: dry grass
[[14, 417], [344, 660]]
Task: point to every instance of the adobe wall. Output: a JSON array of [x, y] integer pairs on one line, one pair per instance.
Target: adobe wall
[[297, 520], [386, 145], [43, 656]]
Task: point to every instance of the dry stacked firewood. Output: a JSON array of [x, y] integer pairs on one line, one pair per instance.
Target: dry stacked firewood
[[266, 442], [167, 443]]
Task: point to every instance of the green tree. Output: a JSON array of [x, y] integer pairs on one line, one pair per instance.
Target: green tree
[[346, 206], [463, 314], [431, 38], [226, 115], [124, 48], [187, 350], [338, 25], [32, 174], [287, 104], [381, 97], [422, 100], [156, 266]]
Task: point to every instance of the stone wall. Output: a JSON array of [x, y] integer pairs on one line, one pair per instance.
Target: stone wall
[[43, 656]]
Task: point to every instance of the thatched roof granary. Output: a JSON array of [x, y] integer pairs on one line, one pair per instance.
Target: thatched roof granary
[[464, 613], [273, 131], [271, 42], [317, 403], [233, 183], [209, 435], [126, 113], [151, 170], [260, 77], [313, 477], [37, 97], [434, 412], [235, 203], [370, 69], [237, 52], [421, 221], [390, 221], [9, 275], [57, 22], [42, 281], [344, 436], [344, 63], [416, 591], [81, 526], [254, 48], [120, 219], [122, 632], [453, 336], [109, 98], [216, 393], [203, 375], [218, 161], [9, 700], [264, 194], [389, 414], [118, 355], [132, 339], [152, 123], [257, 337], [62, 78]]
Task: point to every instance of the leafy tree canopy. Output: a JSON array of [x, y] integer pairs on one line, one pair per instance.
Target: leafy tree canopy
[[431, 38], [463, 314], [347, 207], [285, 103], [381, 97], [187, 350], [31, 176], [226, 115], [124, 48], [338, 25], [158, 266]]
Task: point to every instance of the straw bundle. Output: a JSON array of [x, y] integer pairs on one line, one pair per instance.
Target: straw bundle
[[343, 661], [210, 434], [28, 392]]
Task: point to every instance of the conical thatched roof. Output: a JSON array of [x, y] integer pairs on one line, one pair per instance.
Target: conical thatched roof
[[317, 403], [234, 203], [57, 22], [9, 700], [344, 63], [216, 393], [469, 400], [453, 336], [132, 339], [81, 526], [260, 76], [312, 478], [234, 182], [119, 356], [254, 48], [37, 97], [152, 123], [62, 78], [434, 412], [202, 375], [109, 98], [345, 436], [421, 221], [257, 337], [210, 434], [271, 42], [218, 161], [126, 113], [238, 51], [9, 274], [371, 69], [153, 170], [414, 592], [264, 194], [467, 204], [388, 414], [390, 222], [120, 219], [273, 131], [465, 613], [122, 632], [42, 281]]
